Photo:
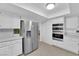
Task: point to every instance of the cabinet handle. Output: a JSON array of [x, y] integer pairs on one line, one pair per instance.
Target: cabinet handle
[[77, 31]]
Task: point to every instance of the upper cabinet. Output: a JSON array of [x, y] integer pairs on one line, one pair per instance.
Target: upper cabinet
[[71, 23], [9, 21], [16, 22]]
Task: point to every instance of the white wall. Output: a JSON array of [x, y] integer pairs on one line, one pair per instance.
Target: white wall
[[46, 30], [46, 36]]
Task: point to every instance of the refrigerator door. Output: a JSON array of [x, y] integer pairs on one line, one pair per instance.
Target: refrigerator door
[[34, 35], [27, 40]]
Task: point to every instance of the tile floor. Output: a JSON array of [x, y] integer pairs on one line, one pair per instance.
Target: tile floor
[[48, 50]]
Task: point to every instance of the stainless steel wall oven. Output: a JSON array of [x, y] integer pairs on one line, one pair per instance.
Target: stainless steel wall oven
[[57, 31]]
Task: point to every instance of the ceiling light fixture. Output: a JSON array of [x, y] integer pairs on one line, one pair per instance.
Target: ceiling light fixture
[[50, 6]]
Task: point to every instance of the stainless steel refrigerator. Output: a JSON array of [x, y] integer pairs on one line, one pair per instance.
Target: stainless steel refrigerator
[[30, 37]]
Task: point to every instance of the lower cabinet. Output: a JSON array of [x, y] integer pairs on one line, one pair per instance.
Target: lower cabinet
[[71, 44], [12, 50], [17, 48], [5, 51]]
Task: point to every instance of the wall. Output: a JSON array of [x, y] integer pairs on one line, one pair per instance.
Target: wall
[[46, 30], [46, 36]]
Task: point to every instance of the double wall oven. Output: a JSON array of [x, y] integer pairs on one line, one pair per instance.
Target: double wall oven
[[57, 31]]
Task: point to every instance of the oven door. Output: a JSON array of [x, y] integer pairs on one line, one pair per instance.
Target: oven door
[[57, 36]]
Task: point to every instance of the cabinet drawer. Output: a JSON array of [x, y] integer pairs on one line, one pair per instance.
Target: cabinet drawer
[[3, 44]]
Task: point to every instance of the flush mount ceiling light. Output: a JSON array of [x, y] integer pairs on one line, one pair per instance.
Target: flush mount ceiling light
[[50, 6]]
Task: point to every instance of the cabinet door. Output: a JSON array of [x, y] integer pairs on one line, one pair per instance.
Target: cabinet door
[[9, 21], [72, 22], [71, 44], [17, 48], [5, 51], [11, 48], [16, 23], [4, 21]]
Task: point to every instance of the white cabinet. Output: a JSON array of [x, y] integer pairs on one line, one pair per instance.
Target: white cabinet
[[72, 22], [12, 48], [15, 22], [4, 21], [71, 38], [8, 21], [16, 49], [71, 44], [5, 51]]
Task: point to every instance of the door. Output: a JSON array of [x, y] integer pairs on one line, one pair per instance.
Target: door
[[34, 35], [27, 40]]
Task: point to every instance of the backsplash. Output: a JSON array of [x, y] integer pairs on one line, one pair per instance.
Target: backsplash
[[6, 33]]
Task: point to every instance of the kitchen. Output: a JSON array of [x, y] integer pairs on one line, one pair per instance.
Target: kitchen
[[20, 24]]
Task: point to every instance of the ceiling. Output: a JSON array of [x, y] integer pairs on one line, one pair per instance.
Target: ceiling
[[10, 8], [40, 9], [35, 11]]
